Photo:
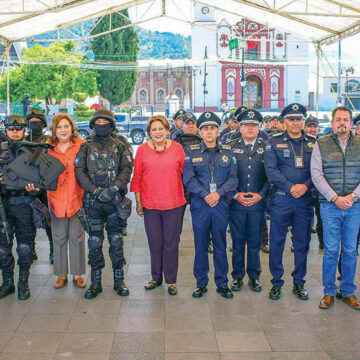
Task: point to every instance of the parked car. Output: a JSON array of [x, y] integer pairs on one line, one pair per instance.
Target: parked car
[[131, 127]]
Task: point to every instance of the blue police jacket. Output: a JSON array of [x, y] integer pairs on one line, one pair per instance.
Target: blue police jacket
[[199, 166], [279, 160], [224, 132], [231, 136], [251, 172]]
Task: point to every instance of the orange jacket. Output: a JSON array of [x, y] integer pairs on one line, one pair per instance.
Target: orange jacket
[[67, 199]]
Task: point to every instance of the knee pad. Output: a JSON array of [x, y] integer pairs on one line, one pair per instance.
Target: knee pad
[[95, 242], [115, 241], [24, 250], [4, 253]]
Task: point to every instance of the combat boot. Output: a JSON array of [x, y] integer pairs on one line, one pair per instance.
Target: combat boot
[[95, 287], [7, 287], [23, 285], [119, 285]]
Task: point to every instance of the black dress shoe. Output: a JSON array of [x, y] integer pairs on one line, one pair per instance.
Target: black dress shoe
[[300, 292], [93, 291], [172, 290], [123, 289], [255, 285], [275, 293], [236, 284], [225, 292], [152, 284], [199, 292], [338, 294]]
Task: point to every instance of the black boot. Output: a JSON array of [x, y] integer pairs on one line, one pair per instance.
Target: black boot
[[7, 287], [119, 285], [95, 287], [23, 285]]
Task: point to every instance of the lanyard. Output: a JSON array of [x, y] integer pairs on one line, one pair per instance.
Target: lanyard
[[301, 151]]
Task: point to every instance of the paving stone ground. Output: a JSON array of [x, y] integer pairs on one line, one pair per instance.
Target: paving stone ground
[[151, 325]]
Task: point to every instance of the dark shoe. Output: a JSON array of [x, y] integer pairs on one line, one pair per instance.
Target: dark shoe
[[93, 291], [210, 248], [172, 290], [352, 302], [7, 287], [255, 285], [199, 292], [300, 292], [123, 289], [236, 284], [152, 284], [23, 285], [264, 248], [326, 302], [338, 294], [275, 293], [225, 292]]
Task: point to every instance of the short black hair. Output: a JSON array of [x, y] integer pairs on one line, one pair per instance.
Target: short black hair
[[340, 108]]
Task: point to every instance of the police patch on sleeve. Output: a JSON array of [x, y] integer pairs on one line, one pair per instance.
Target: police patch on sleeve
[[268, 147], [76, 160]]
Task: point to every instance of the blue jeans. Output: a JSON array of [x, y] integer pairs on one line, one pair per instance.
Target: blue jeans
[[340, 227]]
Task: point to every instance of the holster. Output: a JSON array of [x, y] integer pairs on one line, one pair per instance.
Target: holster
[[83, 220]]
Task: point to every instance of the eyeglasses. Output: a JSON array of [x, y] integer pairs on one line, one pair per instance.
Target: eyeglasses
[[13, 128]]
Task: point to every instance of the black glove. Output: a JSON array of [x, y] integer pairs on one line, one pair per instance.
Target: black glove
[[107, 194]]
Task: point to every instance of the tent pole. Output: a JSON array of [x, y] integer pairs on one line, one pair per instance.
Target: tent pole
[[317, 77], [339, 76]]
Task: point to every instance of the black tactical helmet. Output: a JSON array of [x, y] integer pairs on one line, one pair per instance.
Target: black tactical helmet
[[36, 113], [103, 114], [15, 120]]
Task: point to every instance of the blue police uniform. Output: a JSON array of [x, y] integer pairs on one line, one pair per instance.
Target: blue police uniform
[[246, 223], [207, 170], [231, 136], [287, 162]]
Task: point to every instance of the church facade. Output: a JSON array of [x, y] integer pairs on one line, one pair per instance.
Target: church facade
[[274, 67]]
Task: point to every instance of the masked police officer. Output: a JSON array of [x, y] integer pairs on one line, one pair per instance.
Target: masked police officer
[[36, 122], [210, 175], [103, 168], [19, 215], [248, 206], [287, 164]]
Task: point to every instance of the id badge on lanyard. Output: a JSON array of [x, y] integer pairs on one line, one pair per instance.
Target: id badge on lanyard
[[298, 162], [212, 182]]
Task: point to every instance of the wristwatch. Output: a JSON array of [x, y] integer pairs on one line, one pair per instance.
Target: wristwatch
[[354, 197]]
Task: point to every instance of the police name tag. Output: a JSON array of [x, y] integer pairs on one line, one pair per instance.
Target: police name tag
[[286, 153], [212, 187], [298, 161]]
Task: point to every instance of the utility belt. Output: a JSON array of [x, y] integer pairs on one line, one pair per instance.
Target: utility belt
[[15, 193], [17, 200], [283, 193]]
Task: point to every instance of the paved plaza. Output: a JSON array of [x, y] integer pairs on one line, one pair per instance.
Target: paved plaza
[[152, 325]]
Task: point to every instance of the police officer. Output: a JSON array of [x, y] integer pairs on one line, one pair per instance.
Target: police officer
[[287, 165], [189, 134], [19, 216], [36, 122], [233, 126], [210, 175], [248, 206], [103, 168], [266, 124], [177, 122]]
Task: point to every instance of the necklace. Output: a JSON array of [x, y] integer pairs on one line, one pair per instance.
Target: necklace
[[159, 151]]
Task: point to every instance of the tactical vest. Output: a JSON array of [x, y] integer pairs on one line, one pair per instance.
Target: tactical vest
[[103, 165], [342, 172]]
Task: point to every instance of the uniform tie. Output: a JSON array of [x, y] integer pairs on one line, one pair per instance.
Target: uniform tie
[[249, 148]]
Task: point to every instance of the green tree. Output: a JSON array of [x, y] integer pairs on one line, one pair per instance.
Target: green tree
[[116, 86], [50, 82]]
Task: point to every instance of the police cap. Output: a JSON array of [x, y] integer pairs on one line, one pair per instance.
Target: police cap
[[239, 110], [267, 118], [356, 120], [294, 110], [179, 113], [311, 120], [250, 117], [189, 117], [208, 118], [15, 120], [280, 119], [102, 114], [35, 112]]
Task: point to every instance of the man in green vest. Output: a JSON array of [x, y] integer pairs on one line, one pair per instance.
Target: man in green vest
[[335, 171]]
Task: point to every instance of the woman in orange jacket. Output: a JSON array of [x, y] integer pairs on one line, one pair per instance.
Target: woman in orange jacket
[[64, 204]]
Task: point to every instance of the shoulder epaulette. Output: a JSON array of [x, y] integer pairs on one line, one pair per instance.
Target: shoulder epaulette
[[226, 147], [312, 137], [232, 131], [195, 147], [278, 134]]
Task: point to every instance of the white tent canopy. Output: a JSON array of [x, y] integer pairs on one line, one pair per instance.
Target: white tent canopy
[[323, 21]]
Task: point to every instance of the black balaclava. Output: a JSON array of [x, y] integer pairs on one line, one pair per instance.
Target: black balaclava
[[102, 132], [36, 128]]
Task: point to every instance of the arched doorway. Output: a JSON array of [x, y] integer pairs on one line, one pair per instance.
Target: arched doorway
[[253, 92]]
